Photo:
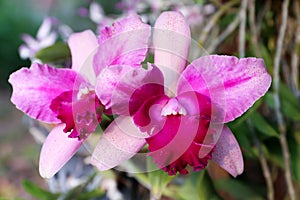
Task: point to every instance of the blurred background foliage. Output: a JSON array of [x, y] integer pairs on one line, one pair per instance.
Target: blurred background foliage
[[268, 133]]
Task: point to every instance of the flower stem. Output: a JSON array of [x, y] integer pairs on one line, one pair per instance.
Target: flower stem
[[253, 27], [232, 26], [242, 29], [154, 196], [214, 19], [278, 114], [296, 52], [263, 163]]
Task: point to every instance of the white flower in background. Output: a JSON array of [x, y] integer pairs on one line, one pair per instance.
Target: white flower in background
[[45, 37], [97, 15], [195, 13], [150, 9]]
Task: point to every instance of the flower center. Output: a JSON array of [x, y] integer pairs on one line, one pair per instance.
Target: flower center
[[173, 107]]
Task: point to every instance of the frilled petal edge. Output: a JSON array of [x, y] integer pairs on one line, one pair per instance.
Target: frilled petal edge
[[36, 87], [124, 43], [231, 83]]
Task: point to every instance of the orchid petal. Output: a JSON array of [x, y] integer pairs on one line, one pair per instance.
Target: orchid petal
[[56, 151], [26, 52], [36, 87], [96, 12], [48, 41], [233, 84], [107, 81], [227, 153], [124, 89], [31, 42], [172, 148], [45, 28], [171, 41], [83, 46], [124, 43], [120, 141]]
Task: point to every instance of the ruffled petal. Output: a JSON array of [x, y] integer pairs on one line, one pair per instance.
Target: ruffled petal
[[36, 87], [171, 41], [56, 151], [124, 90], [178, 144], [124, 43], [120, 141], [227, 153], [83, 46], [233, 84]]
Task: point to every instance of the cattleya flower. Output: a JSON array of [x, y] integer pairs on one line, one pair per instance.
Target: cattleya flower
[[66, 97], [180, 110]]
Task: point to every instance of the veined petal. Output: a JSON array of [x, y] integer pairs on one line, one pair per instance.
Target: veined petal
[[124, 89], [107, 82], [56, 151], [171, 41], [120, 141], [124, 43], [227, 153], [233, 84], [36, 87], [83, 46]]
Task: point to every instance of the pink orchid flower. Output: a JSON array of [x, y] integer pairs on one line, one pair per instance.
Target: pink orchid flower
[[179, 111], [66, 97]]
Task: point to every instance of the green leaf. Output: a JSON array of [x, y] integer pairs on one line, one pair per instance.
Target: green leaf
[[158, 178], [289, 107], [263, 126], [198, 186], [246, 115], [286, 94], [267, 56], [291, 111], [269, 97], [294, 145], [90, 194], [199, 1], [272, 150], [238, 189], [244, 138], [55, 53], [80, 191], [38, 192]]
